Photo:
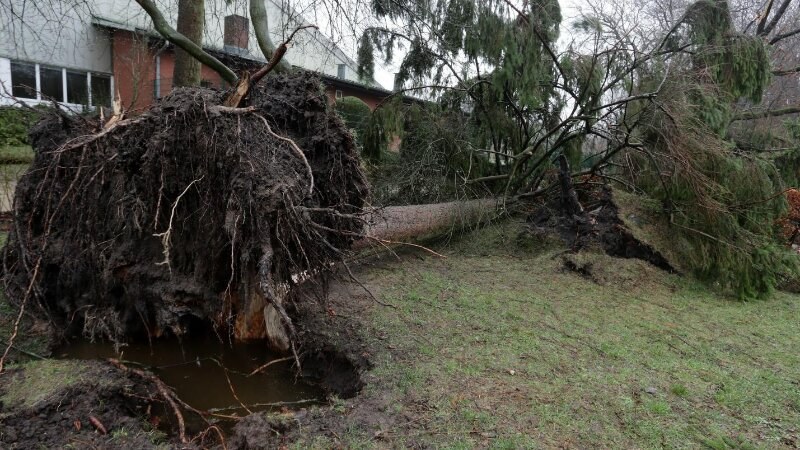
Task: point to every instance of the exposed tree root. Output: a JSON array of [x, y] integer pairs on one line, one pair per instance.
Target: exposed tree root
[[193, 213]]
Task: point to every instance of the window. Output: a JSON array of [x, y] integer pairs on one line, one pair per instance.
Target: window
[[77, 88], [342, 71], [23, 80], [52, 84], [101, 90], [338, 94]]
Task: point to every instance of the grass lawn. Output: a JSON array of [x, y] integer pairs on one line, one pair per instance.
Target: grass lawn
[[500, 347], [16, 154], [9, 175]]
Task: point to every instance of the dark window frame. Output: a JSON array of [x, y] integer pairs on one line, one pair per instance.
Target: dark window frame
[[24, 89], [39, 79]]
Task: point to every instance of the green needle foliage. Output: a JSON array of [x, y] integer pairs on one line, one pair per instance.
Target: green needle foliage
[[723, 203], [356, 115], [486, 64]]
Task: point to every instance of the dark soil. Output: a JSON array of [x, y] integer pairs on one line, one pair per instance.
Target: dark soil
[[600, 228], [334, 353], [337, 354], [185, 218], [62, 418]]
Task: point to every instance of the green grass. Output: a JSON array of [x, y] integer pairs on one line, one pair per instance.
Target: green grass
[[30, 339], [16, 154], [502, 348], [9, 174], [43, 379]]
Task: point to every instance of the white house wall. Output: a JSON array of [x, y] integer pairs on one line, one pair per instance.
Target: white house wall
[[56, 33]]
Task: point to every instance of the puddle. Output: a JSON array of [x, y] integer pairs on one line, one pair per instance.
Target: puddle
[[196, 370]]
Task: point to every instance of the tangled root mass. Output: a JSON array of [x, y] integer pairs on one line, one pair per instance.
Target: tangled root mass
[[188, 214]]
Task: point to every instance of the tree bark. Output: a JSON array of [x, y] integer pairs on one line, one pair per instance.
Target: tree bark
[[179, 40], [190, 24], [258, 15]]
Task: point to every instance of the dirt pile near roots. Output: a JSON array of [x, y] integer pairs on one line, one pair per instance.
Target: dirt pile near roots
[[600, 228], [52, 404], [189, 215]]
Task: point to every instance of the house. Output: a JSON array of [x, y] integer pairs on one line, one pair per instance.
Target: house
[[82, 53]]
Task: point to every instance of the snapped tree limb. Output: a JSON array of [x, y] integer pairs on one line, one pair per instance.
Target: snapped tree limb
[[258, 15]]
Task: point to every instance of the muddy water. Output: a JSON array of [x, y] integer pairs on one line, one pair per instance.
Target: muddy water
[[197, 371]]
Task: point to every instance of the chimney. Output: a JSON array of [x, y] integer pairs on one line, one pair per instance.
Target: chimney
[[237, 33]]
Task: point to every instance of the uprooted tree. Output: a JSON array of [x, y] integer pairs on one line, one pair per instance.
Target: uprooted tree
[[626, 102], [204, 211]]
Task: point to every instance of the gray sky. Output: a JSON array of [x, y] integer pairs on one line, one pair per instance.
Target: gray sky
[[385, 74]]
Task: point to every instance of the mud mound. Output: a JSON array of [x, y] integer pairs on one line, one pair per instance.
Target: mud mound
[[189, 215], [600, 228], [50, 404]]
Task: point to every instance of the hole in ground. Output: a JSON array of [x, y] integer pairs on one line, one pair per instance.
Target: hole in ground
[[198, 369]]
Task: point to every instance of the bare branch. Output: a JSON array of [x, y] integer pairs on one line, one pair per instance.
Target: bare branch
[[777, 17], [763, 22], [784, 72], [783, 36], [165, 29], [258, 15], [277, 57], [750, 115]]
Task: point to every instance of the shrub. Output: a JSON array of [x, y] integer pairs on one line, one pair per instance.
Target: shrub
[[15, 123], [355, 113]]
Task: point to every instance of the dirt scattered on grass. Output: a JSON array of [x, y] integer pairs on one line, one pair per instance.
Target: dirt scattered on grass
[[52, 404], [601, 229]]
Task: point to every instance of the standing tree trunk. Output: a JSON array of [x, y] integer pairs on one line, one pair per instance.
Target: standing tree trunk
[[190, 24]]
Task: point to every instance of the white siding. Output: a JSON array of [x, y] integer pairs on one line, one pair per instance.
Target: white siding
[[56, 34]]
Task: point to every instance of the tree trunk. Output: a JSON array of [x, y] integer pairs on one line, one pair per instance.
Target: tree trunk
[[191, 14]]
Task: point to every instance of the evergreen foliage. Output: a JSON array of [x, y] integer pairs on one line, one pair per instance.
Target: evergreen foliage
[[488, 62], [384, 124], [721, 201], [354, 112], [434, 159], [14, 125], [366, 62]]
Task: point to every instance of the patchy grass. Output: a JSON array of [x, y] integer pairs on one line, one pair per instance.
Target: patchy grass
[[32, 338], [16, 154], [43, 379], [9, 174], [498, 347]]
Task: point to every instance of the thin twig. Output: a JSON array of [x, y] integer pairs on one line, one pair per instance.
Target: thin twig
[[233, 391], [297, 151], [163, 389], [274, 361]]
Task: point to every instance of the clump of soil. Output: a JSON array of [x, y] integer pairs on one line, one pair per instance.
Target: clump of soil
[[52, 404], [334, 352], [188, 215], [600, 227], [262, 431]]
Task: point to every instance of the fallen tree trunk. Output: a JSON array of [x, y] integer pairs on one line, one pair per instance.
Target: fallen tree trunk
[[190, 216], [414, 222]]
